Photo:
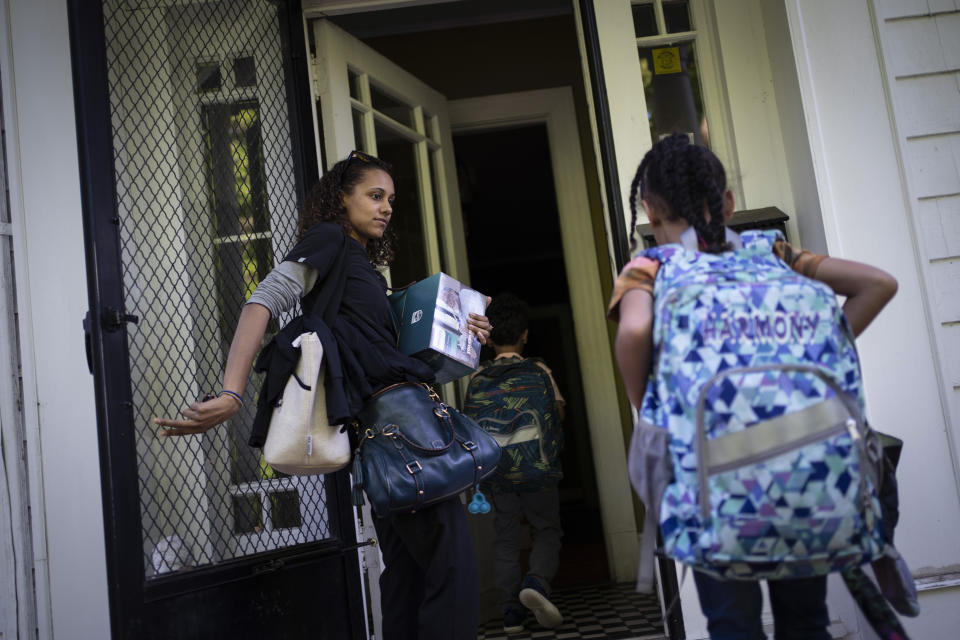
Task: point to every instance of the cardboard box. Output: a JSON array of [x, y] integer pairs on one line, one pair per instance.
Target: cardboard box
[[432, 318]]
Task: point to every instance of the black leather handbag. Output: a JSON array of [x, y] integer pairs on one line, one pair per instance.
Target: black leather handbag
[[413, 450]]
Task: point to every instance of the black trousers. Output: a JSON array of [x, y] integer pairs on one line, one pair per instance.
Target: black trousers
[[429, 589]]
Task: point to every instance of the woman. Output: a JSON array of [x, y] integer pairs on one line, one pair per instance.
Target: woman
[[429, 586]]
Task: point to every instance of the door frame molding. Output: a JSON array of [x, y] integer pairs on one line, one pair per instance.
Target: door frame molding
[[555, 108]]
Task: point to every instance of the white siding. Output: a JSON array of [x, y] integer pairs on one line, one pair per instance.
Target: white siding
[[888, 9], [921, 50], [887, 199]]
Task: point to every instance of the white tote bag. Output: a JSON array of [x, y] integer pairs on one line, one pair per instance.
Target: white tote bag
[[300, 441]]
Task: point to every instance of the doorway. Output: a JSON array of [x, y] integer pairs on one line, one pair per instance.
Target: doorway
[[512, 230]]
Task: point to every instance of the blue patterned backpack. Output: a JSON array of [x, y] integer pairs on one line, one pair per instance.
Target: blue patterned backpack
[[751, 449], [512, 399]]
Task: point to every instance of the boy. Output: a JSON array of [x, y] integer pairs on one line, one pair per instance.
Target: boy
[[516, 399]]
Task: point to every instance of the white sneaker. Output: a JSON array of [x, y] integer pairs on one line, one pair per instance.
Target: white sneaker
[[546, 613]]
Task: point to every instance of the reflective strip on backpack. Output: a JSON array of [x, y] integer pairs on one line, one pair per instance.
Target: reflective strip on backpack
[[523, 434], [770, 438]]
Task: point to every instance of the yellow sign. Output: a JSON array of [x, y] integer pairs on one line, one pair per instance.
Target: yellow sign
[[667, 60]]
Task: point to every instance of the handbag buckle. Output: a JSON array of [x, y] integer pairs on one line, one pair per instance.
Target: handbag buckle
[[391, 431], [469, 445], [441, 411], [369, 434], [414, 467]]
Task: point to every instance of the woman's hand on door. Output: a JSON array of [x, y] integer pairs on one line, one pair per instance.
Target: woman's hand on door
[[212, 410], [200, 416]]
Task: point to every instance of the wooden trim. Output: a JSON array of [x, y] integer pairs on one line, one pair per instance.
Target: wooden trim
[[667, 39], [945, 580]]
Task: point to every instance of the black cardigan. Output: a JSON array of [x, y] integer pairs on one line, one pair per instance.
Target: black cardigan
[[356, 328]]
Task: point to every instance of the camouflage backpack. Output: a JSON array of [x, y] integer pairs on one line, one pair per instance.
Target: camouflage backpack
[[513, 400]]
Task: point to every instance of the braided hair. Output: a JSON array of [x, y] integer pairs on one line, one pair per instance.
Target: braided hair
[[324, 202], [684, 177]]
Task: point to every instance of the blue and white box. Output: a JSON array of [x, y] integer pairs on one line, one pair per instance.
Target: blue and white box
[[432, 317]]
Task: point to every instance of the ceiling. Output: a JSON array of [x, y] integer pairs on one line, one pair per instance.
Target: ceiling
[[447, 14]]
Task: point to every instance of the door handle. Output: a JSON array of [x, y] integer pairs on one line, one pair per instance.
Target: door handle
[[113, 319]]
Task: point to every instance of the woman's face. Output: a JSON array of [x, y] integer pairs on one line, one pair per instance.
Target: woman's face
[[369, 205]]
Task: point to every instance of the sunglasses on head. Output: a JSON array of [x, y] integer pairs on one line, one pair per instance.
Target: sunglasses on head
[[361, 156]]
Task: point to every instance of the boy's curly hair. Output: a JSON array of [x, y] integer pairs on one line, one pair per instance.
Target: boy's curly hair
[[684, 176], [324, 202], [510, 317]]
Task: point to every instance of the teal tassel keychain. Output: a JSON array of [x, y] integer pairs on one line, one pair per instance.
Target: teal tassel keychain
[[479, 503]]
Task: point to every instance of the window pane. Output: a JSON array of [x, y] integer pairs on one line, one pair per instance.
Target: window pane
[[208, 76], [435, 158], [389, 106], [235, 171], [671, 85], [239, 267], [247, 514], [244, 72], [286, 510], [359, 140], [353, 79], [644, 20], [676, 13], [432, 126], [409, 263]]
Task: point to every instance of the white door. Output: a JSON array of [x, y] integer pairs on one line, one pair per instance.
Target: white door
[[366, 102]]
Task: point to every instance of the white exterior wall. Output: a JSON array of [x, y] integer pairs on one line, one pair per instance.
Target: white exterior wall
[[761, 169], [868, 211], [59, 412], [920, 44]]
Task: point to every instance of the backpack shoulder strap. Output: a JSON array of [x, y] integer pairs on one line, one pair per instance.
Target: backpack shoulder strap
[[762, 239], [660, 253]]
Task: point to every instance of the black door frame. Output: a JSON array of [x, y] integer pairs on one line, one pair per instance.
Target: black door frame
[[136, 606]]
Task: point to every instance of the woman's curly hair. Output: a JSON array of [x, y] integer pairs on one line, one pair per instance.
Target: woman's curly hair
[[324, 202], [684, 177]]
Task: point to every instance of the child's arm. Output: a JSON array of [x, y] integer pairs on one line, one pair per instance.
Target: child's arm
[[867, 289], [634, 343]]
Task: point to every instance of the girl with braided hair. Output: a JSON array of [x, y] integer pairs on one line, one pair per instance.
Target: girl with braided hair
[[429, 586], [683, 190]]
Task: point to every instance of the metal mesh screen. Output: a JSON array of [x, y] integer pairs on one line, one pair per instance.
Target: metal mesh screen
[[207, 200]]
